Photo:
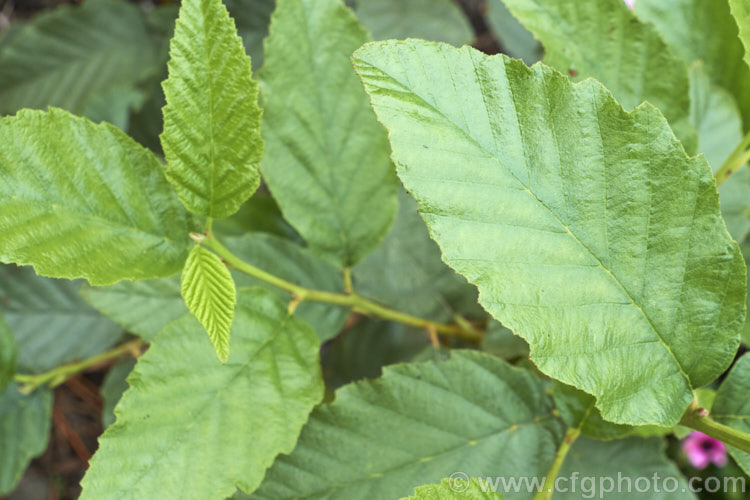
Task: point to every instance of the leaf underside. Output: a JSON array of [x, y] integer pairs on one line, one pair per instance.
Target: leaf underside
[[209, 293], [211, 137], [587, 229], [80, 200]]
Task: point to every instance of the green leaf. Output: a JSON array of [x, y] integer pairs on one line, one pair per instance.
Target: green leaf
[[190, 427], [568, 203], [418, 424], [621, 470], [438, 20], [732, 406], [115, 106], [704, 30], [517, 40], [740, 10], [746, 332], [209, 293], [8, 355], [406, 273], [449, 489], [603, 39], [326, 160], [113, 387], [714, 114], [140, 307], [577, 410], [50, 321], [298, 265], [258, 214], [362, 350], [80, 200], [24, 432], [211, 137], [66, 56]]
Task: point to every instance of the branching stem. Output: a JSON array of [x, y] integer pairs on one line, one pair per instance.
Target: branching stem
[[735, 161], [697, 418], [351, 300], [549, 482]]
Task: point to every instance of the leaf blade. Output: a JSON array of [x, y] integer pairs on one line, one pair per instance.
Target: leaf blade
[[210, 295], [199, 445], [85, 201], [510, 201], [326, 160], [732, 407], [211, 136]]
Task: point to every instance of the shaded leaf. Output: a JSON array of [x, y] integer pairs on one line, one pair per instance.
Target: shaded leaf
[[365, 348], [80, 200], [621, 470], [258, 214], [406, 273], [8, 355], [24, 432], [211, 137], [209, 293], [190, 427], [732, 406], [544, 194], [113, 387], [603, 39], [502, 342], [140, 307], [50, 321], [517, 40], [578, 411], [252, 18], [326, 160], [438, 20], [298, 265], [69, 55], [420, 423], [704, 30]]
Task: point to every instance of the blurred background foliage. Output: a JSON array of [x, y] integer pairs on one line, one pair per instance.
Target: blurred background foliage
[[106, 59]]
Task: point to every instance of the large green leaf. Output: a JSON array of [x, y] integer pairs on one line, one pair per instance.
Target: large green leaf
[[326, 159], [113, 387], [405, 272], [209, 293], [438, 20], [453, 488], [50, 321], [80, 200], [8, 355], [746, 333], [587, 229], [298, 265], [714, 114], [140, 307], [24, 432], [211, 137], [190, 427], [705, 30], [71, 54], [418, 424], [732, 405], [621, 470], [603, 39]]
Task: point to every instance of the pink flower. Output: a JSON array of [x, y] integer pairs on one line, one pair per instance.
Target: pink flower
[[630, 3], [702, 450]]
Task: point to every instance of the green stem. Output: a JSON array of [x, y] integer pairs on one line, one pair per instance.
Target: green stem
[[60, 374], [350, 300], [735, 161], [348, 287], [698, 419], [549, 482]]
